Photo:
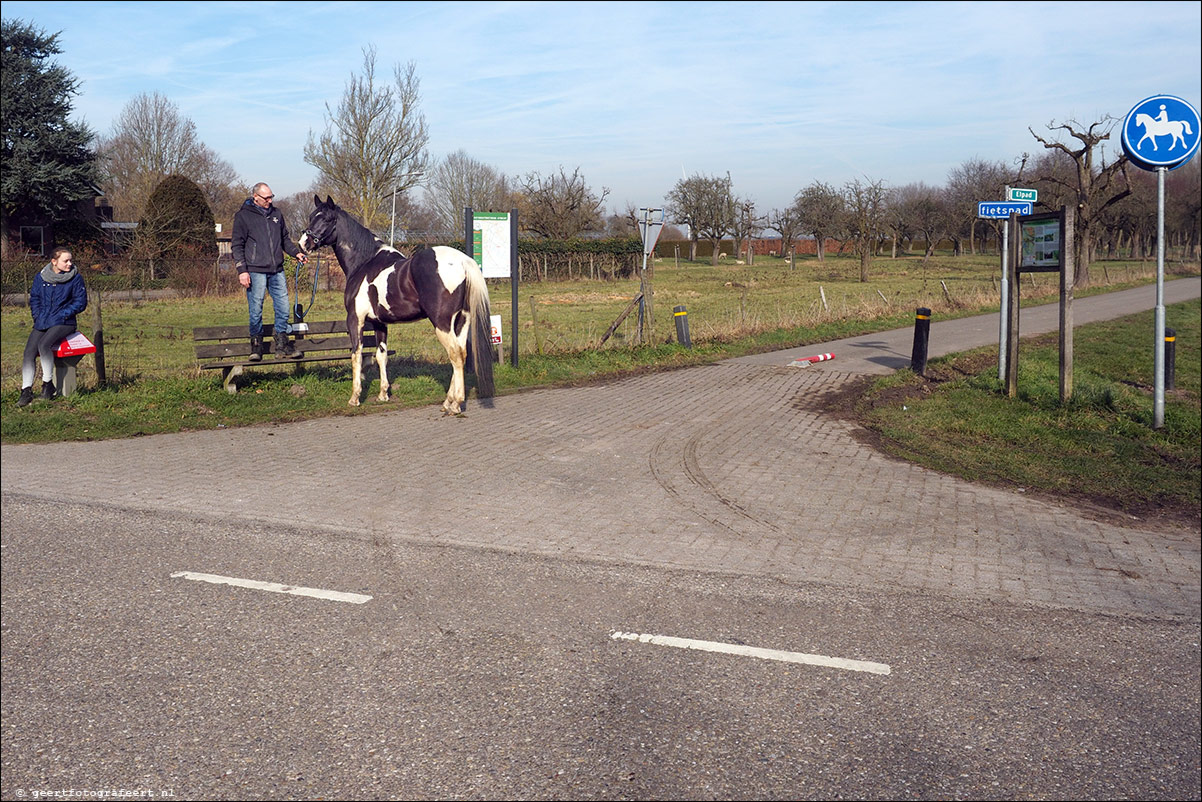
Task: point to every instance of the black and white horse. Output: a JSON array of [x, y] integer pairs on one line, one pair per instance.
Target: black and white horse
[[382, 287]]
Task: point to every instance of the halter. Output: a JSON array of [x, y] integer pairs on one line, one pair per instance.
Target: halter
[[316, 240]]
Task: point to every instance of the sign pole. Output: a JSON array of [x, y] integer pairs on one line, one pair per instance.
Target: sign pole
[[650, 223], [514, 274], [1005, 298], [1158, 393], [1149, 120]]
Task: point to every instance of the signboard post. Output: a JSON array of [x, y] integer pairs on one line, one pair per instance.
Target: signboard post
[[1043, 244], [1160, 133], [651, 222], [491, 238], [1003, 211]]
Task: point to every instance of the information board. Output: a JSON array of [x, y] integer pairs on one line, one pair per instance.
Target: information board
[[491, 245], [1041, 247]]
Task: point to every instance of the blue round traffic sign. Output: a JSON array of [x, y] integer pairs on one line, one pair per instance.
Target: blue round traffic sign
[[1161, 131]]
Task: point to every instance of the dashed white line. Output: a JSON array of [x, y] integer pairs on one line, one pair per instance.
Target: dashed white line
[[754, 651], [274, 587]]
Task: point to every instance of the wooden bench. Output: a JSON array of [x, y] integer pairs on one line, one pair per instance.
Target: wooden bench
[[227, 348]]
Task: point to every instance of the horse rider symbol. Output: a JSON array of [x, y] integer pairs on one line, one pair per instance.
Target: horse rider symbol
[[1161, 125]]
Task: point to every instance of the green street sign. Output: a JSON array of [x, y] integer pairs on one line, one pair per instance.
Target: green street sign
[[1014, 194]]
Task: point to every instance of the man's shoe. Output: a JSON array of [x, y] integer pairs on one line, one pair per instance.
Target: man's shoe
[[284, 348], [47, 390], [26, 397], [256, 349]]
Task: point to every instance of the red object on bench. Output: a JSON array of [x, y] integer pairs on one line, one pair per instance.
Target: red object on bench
[[76, 345]]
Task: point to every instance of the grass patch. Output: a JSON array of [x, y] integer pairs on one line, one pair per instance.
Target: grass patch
[[1099, 448]]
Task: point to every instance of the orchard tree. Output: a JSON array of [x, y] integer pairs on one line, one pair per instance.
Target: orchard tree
[[151, 140], [1093, 187], [748, 226], [48, 162], [925, 210], [560, 206], [707, 205], [374, 143], [968, 184], [865, 203], [787, 221], [821, 208]]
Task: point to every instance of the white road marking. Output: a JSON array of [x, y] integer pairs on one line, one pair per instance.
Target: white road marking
[[274, 587], [753, 651]]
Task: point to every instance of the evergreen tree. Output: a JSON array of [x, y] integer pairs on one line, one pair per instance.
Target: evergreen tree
[[178, 221], [48, 164]]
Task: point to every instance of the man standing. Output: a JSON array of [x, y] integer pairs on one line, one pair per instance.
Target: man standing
[[258, 244]]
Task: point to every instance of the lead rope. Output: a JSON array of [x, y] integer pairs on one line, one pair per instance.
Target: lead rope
[[298, 310]]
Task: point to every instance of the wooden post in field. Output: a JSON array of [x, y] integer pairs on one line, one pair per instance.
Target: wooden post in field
[[98, 337]]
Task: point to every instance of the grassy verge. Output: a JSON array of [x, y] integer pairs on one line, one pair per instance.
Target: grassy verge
[[1100, 448]]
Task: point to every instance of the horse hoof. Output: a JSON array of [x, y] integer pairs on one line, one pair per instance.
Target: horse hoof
[[354, 402]]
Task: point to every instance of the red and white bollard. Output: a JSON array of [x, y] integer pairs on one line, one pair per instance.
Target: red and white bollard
[[809, 360]]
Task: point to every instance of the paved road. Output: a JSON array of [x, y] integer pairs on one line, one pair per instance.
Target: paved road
[[726, 468]]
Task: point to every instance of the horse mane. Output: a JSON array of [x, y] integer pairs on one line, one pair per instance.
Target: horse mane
[[358, 236]]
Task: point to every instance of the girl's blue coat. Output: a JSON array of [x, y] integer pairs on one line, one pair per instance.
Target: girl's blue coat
[[57, 304]]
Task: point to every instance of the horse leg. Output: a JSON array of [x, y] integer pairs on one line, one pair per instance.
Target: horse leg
[[457, 352], [382, 359], [354, 328]]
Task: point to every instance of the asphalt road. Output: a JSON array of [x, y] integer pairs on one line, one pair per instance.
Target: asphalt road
[[476, 674], [517, 575]]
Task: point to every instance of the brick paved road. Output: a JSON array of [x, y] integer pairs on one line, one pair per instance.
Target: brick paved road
[[725, 468]]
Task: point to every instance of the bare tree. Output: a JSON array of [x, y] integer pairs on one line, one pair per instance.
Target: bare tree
[[374, 143], [897, 225], [968, 184], [788, 222], [459, 181], [822, 209], [1095, 187], [151, 140], [748, 226], [925, 210], [707, 205], [1183, 207], [865, 202], [560, 206]]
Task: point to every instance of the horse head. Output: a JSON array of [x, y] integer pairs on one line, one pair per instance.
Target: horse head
[[323, 225]]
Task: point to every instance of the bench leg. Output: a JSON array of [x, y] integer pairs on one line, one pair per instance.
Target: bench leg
[[64, 374], [227, 378]]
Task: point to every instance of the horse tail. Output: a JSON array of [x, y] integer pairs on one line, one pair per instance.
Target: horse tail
[[1187, 128], [481, 333]]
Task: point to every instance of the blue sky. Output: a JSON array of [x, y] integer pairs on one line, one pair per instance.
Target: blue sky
[[636, 94]]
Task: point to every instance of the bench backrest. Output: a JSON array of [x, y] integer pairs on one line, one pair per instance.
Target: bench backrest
[[224, 342]]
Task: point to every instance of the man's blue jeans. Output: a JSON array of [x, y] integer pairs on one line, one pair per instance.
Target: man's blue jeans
[[260, 285]]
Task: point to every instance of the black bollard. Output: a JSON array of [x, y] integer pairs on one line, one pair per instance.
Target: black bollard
[[1170, 358], [922, 336], [682, 326]]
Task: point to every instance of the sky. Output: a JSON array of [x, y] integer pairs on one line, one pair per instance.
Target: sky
[[638, 95]]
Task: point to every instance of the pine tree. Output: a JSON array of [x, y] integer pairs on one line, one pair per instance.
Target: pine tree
[[48, 161]]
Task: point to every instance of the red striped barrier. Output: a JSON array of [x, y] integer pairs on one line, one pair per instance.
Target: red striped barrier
[[809, 360]]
